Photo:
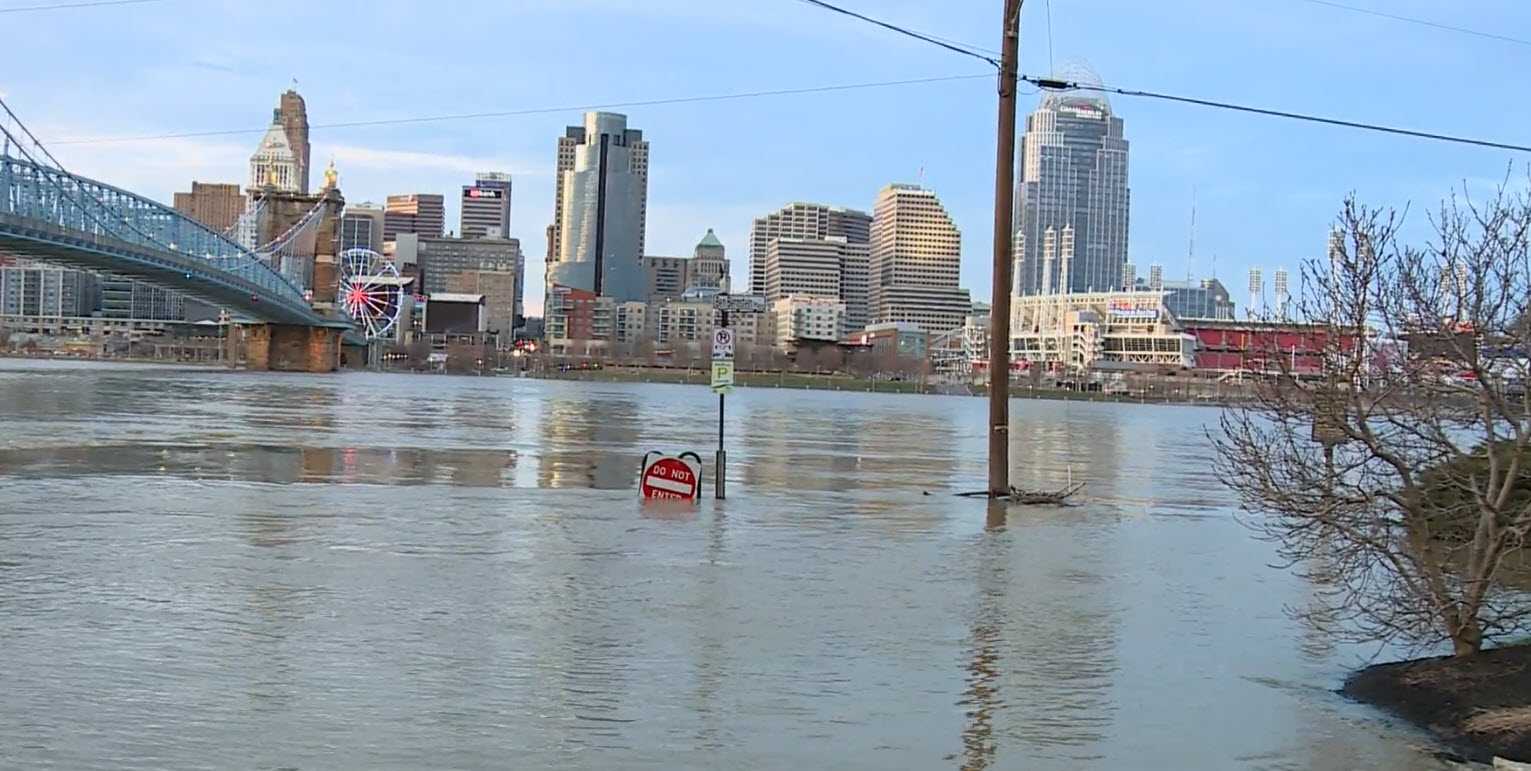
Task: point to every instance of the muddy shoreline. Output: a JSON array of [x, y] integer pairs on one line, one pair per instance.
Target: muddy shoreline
[[1479, 705]]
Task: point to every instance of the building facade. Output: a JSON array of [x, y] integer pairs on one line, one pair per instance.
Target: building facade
[[596, 242], [1072, 197], [437, 260], [709, 264], [420, 213], [805, 221], [216, 205], [802, 267], [1204, 299], [914, 261], [125, 298], [806, 317], [486, 206], [497, 283], [43, 291], [292, 116], [361, 227], [1098, 330]]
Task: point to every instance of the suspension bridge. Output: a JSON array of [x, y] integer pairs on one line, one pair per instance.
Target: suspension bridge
[[282, 291]]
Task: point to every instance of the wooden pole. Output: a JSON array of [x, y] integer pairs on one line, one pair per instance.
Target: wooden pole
[[999, 313]]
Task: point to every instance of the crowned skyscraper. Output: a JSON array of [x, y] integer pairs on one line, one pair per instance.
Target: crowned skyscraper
[[1072, 197], [596, 240]]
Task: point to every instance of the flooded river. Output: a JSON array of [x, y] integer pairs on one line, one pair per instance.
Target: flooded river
[[213, 569]]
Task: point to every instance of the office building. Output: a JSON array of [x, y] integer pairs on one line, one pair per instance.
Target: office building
[[486, 206], [709, 264], [420, 213], [216, 205], [125, 298], [496, 282], [1072, 196], [704, 273], [292, 115], [915, 254], [435, 261], [856, 285], [596, 241], [802, 267], [806, 221], [41, 291], [361, 227], [807, 317], [665, 277]]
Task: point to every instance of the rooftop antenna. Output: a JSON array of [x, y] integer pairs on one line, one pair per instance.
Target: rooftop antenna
[[920, 176], [1190, 256]]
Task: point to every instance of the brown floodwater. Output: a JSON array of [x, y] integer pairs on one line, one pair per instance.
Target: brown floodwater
[[212, 569]]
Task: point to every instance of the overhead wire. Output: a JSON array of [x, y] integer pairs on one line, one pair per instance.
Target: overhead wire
[[1068, 85], [540, 110], [67, 6], [1421, 22], [965, 50], [1050, 84]]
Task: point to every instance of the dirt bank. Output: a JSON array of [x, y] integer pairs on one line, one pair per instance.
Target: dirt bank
[[1480, 704]]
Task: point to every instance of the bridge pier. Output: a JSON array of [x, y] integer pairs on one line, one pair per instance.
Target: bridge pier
[[291, 348]]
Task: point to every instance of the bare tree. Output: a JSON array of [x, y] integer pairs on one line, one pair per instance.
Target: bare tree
[[1388, 457], [806, 359], [831, 359]]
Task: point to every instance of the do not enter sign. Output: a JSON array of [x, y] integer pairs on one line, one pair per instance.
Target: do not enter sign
[[669, 477]]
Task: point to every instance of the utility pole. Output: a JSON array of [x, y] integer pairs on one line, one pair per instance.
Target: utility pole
[[999, 308]]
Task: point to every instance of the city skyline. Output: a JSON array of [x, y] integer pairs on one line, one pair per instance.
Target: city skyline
[[1269, 207]]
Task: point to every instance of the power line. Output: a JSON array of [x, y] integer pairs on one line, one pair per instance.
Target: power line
[[955, 47], [1421, 22], [66, 6], [1051, 84], [540, 110]]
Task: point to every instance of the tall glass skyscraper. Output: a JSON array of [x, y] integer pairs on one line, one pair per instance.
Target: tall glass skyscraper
[[1072, 197], [596, 240]]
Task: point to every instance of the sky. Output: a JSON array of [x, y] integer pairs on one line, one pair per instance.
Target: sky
[[1265, 190]]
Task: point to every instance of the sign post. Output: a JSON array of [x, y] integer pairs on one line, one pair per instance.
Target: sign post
[[722, 383]]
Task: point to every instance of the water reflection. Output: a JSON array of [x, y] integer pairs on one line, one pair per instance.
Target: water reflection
[[226, 570], [982, 698]]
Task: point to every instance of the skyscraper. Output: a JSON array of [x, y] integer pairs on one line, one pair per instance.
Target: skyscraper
[[915, 254], [361, 227], [1073, 184], [485, 205], [596, 241], [292, 114], [709, 264], [422, 213], [215, 205], [803, 221], [281, 160]]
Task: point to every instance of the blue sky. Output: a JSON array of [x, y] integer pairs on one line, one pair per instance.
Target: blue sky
[[1266, 189]]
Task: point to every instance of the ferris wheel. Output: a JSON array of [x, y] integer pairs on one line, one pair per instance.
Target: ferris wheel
[[371, 291]]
